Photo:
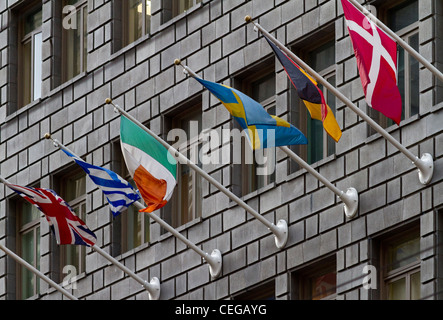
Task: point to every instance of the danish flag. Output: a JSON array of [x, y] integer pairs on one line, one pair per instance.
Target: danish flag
[[66, 226], [376, 54]]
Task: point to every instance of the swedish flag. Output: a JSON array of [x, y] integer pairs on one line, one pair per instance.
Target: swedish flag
[[262, 129]]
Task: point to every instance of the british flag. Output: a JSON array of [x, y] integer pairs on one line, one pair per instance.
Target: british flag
[[66, 226]]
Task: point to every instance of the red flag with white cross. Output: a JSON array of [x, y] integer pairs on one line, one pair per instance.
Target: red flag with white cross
[[376, 54]]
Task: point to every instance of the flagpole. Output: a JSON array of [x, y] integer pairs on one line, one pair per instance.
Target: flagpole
[[280, 230], [214, 259], [400, 41], [350, 198], [152, 287], [425, 164], [36, 272]]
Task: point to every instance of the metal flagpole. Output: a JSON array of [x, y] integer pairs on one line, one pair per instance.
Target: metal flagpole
[[152, 287], [350, 198], [31, 267], [425, 164], [214, 259], [36, 272], [280, 230], [400, 41]]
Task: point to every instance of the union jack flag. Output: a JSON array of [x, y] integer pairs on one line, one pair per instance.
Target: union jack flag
[[66, 226]]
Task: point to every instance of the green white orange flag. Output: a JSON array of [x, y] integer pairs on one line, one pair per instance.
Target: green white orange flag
[[151, 166]]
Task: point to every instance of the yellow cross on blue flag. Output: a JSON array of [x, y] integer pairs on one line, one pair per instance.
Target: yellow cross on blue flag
[[262, 129]]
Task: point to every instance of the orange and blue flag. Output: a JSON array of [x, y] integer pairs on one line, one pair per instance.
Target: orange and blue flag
[[308, 91], [262, 129]]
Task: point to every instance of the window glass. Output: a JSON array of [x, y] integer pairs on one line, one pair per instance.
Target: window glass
[[403, 15], [29, 237], [401, 266], [320, 145], [180, 6], [75, 41], [137, 19], [30, 68]]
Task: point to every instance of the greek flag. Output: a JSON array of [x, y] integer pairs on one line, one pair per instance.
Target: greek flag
[[119, 193]]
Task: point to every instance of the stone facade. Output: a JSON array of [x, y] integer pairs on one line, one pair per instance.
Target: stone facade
[[213, 40]]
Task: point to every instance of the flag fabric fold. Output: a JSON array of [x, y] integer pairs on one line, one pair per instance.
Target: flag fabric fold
[[119, 193], [376, 54], [309, 93], [66, 226], [149, 163], [262, 129]]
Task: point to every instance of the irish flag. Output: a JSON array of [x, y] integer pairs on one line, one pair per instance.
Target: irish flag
[[153, 171]]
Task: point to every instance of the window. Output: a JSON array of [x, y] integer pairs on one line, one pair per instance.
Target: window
[[75, 40], [401, 266], [173, 8], [182, 131], [30, 53], [181, 6], [262, 292], [187, 204], [316, 282], [403, 20], [73, 191], [320, 144], [131, 228], [136, 20], [258, 166], [29, 248]]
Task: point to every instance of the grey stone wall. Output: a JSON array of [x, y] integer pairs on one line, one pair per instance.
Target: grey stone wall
[[214, 41]]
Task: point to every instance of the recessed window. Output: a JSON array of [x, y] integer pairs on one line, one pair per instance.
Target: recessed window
[[262, 292], [316, 282], [134, 226], [257, 166], [136, 20], [73, 191], [29, 248], [75, 39], [30, 53], [401, 261], [320, 144], [187, 199], [403, 20]]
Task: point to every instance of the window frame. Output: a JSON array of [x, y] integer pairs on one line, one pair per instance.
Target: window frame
[[389, 276], [146, 23], [301, 279], [121, 222], [34, 227], [248, 181], [298, 108], [405, 34], [78, 202], [176, 6], [22, 40], [192, 148], [81, 6]]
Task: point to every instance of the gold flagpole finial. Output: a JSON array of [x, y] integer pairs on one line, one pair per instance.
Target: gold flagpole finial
[[108, 101], [48, 135], [177, 62], [248, 19]]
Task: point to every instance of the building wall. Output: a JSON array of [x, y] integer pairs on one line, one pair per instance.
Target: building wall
[[214, 41]]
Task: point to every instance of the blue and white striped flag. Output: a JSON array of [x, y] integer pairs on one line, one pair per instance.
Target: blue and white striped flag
[[119, 193]]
